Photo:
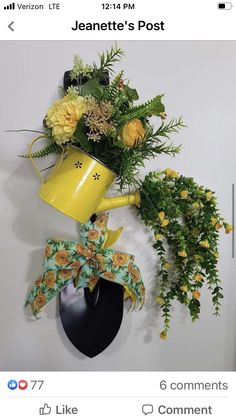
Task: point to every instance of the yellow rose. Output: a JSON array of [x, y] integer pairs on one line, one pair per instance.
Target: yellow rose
[[171, 173], [168, 172], [93, 280], [120, 259], [198, 277], [163, 335], [228, 228], [76, 265], [135, 275], [142, 289], [132, 133], [165, 222], [182, 254], [101, 221], [93, 234], [48, 251], [218, 226], [109, 275], [38, 282], [213, 220], [204, 243], [196, 295], [65, 273], [167, 265], [50, 279], [39, 302], [84, 251], [62, 257], [184, 288], [184, 194], [160, 300], [209, 195], [174, 174], [158, 236], [197, 205], [63, 117], [161, 215]]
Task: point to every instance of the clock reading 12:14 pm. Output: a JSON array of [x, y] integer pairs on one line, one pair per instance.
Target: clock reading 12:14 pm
[[127, 6]]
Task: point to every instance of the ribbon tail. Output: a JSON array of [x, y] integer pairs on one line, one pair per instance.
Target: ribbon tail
[[112, 237], [120, 268], [47, 287]]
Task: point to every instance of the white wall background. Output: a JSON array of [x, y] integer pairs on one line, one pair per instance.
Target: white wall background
[[198, 79]]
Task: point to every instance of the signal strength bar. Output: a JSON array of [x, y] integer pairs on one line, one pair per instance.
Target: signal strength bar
[[10, 7]]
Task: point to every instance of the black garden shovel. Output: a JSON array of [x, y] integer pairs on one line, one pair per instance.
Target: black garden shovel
[[91, 320]]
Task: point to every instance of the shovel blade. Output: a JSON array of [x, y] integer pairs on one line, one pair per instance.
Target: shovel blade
[[91, 320]]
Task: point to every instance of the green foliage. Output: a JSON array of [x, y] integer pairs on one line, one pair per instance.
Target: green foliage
[[80, 69], [152, 107], [173, 126], [126, 162], [134, 158], [81, 139], [107, 60], [131, 94], [74, 91], [45, 151], [108, 112], [185, 221], [113, 90], [91, 88]]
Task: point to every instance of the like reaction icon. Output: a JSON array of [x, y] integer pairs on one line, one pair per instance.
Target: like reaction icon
[[45, 410], [12, 385]]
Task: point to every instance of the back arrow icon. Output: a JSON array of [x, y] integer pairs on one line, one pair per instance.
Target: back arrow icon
[[10, 26]]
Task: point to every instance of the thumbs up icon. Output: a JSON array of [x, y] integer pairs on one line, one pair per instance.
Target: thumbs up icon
[[45, 410]]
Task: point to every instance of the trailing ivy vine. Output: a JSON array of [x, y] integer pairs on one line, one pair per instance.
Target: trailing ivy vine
[[185, 221]]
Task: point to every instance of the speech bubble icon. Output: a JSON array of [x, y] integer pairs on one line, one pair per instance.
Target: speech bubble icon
[[147, 409]]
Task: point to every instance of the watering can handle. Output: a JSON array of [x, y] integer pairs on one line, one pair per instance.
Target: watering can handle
[[32, 159], [30, 154]]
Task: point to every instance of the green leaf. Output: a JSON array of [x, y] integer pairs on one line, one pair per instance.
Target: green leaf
[[174, 125], [107, 60], [119, 144], [157, 107], [51, 148], [84, 142], [91, 88], [80, 69], [132, 94], [81, 136], [152, 107]]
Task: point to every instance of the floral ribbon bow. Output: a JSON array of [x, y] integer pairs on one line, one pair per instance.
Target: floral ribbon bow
[[83, 264]]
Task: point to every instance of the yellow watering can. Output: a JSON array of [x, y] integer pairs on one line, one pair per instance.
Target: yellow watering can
[[77, 185]]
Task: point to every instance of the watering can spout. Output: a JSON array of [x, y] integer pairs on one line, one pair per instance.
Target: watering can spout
[[119, 201]]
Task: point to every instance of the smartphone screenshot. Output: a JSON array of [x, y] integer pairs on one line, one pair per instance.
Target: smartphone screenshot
[[117, 215]]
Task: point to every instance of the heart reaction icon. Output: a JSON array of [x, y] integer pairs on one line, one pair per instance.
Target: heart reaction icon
[[22, 385]]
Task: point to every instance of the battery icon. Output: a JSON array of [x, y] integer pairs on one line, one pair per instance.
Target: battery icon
[[226, 5]]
